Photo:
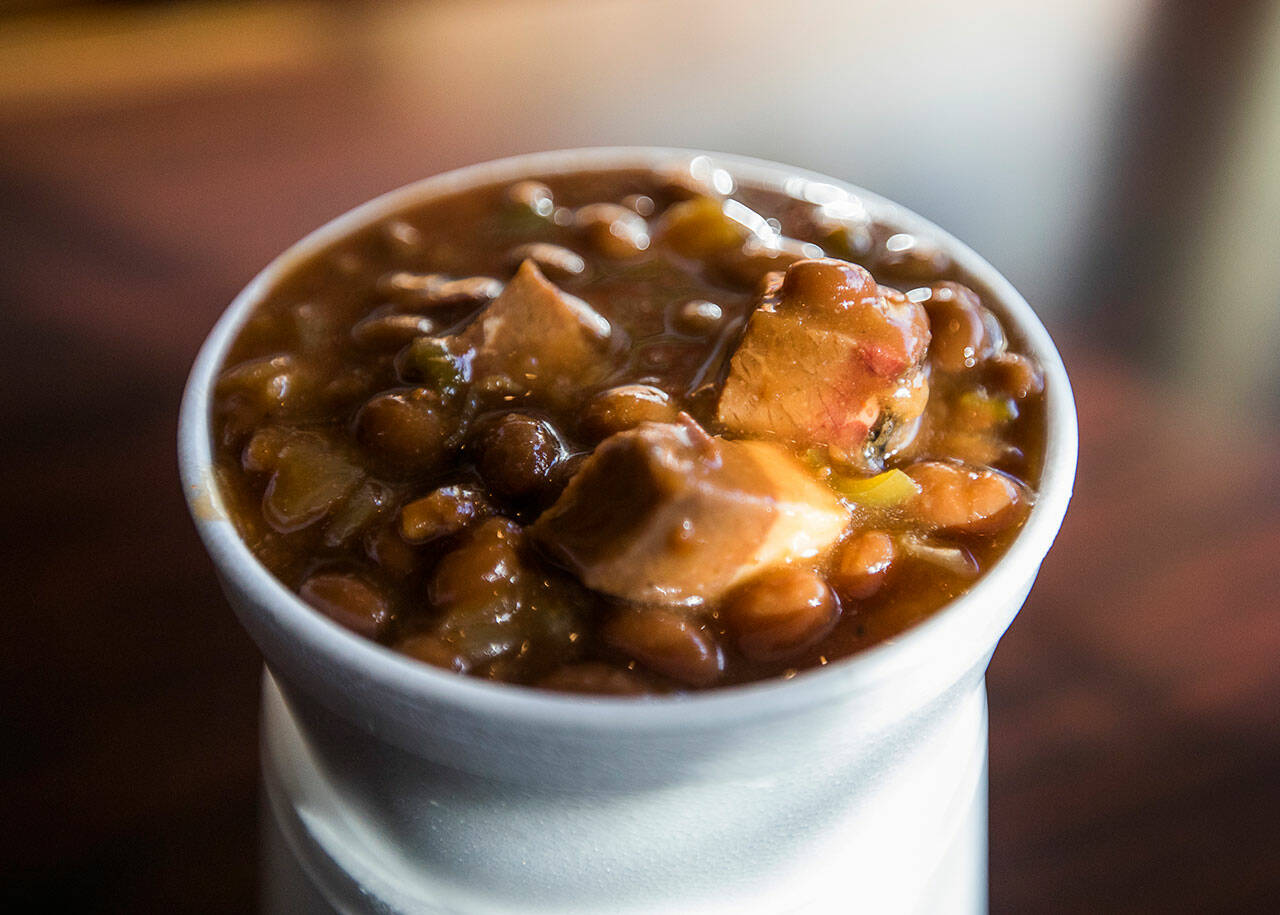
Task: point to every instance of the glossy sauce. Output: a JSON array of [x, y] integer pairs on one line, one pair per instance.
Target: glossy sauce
[[332, 434]]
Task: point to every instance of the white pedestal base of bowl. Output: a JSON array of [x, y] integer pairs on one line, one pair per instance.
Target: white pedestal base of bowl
[[319, 858]]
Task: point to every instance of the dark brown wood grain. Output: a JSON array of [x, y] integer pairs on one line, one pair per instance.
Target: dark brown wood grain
[[1135, 703]]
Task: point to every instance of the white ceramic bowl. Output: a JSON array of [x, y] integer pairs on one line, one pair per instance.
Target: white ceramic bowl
[[858, 786]]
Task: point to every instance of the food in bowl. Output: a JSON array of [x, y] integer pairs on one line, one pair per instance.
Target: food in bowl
[[628, 431]]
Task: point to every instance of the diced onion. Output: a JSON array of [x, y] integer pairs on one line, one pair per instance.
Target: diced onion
[[884, 490]]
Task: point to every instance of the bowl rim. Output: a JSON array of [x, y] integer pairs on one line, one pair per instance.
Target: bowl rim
[[977, 618]]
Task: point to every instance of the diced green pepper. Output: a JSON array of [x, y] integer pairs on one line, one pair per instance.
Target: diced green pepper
[[983, 411], [430, 361]]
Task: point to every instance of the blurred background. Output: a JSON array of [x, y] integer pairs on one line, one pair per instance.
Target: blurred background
[[1119, 160]]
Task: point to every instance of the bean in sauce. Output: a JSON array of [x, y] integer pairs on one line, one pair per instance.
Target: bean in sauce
[[627, 432]]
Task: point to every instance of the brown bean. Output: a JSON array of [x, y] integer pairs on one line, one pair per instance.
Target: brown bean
[[480, 590], [698, 318], [556, 261], [613, 230], [518, 455], [238, 420], [395, 557], [495, 619], [957, 326], [860, 564], [678, 184], [390, 331], [961, 498], [625, 407], [274, 384], [640, 203], [1014, 374], [564, 472], [907, 257], [700, 177], [533, 196], [481, 571], [435, 290], [443, 513], [408, 430], [668, 643], [263, 451], [433, 649], [751, 264], [349, 386], [780, 612], [596, 678], [825, 283], [349, 601]]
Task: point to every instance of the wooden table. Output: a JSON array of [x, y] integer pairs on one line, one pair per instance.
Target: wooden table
[[1135, 741]]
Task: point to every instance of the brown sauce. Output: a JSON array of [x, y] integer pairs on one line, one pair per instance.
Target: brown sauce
[[389, 450]]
